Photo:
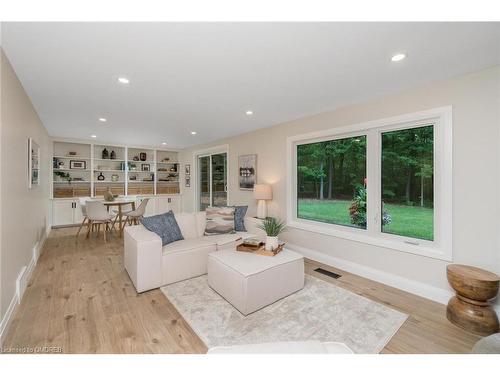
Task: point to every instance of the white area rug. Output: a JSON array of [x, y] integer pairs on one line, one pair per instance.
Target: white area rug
[[321, 311]]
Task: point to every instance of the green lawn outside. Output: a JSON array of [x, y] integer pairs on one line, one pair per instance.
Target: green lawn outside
[[410, 221]]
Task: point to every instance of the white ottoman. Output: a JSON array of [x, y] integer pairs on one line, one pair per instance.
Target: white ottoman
[[250, 281]]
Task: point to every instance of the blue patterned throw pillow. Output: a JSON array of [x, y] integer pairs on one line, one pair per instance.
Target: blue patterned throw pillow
[[239, 218], [165, 226]]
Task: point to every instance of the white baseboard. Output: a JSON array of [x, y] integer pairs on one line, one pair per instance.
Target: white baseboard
[[5, 323], [412, 286], [22, 281]]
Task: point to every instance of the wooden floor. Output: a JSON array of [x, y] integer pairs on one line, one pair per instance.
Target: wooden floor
[[81, 300]]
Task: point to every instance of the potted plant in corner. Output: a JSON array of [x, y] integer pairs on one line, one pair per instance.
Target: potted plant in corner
[[273, 227]]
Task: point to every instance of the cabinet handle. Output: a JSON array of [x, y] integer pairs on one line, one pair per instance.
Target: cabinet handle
[[169, 200]]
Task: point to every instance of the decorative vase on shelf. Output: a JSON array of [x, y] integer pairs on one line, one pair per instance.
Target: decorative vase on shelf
[[112, 155], [101, 177], [105, 154], [271, 243], [108, 195], [114, 177]]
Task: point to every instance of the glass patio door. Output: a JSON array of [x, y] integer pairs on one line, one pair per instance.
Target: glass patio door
[[212, 177]]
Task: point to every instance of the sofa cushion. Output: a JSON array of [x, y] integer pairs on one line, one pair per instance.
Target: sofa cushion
[[187, 224], [189, 244], [163, 225], [239, 218], [220, 220]]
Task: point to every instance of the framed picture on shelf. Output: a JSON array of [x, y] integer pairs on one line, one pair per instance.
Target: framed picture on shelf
[[77, 164], [33, 163], [145, 167], [188, 181], [247, 175], [188, 169]]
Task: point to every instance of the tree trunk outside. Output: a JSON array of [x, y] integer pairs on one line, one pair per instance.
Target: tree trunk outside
[[408, 186], [321, 181], [330, 177], [421, 189], [341, 170]]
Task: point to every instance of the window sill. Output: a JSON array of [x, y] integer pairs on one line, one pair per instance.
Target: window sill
[[357, 235]]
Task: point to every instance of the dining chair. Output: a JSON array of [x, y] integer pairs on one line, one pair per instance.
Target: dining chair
[[135, 214], [117, 212], [98, 214], [82, 202]]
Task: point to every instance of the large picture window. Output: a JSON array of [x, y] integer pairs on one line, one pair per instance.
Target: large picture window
[[331, 179], [407, 182], [386, 182]]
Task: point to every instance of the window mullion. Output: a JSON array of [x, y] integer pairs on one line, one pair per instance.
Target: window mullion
[[373, 161]]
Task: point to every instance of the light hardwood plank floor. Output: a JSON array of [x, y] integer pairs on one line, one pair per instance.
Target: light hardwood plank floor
[[81, 300]]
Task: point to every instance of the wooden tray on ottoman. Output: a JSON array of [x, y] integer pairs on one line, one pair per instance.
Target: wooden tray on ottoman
[[260, 249]]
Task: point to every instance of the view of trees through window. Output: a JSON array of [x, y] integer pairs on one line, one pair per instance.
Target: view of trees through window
[[331, 182], [408, 182], [331, 178]]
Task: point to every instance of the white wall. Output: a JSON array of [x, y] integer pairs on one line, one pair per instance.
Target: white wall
[[24, 212], [476, 174]]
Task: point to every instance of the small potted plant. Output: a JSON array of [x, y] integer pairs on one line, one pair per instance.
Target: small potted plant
[[273, 227]]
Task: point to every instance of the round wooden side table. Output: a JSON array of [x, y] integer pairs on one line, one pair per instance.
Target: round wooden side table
[[470, 307]]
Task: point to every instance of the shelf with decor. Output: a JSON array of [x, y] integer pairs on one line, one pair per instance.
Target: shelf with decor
[[108, 169], [86, 169], [71, 169], [141, 169], [167, 173]]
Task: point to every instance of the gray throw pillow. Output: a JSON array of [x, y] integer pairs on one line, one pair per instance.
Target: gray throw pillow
[[220, 220], [165, 226], [239, 218]]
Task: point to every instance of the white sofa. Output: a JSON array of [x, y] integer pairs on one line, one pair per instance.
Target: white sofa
[[288, 347], [151, 266]]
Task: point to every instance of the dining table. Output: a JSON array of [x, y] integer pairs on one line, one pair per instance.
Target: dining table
[[120, 203]]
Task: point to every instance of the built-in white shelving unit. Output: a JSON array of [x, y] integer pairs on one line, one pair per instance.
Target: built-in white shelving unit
[[90, 169]]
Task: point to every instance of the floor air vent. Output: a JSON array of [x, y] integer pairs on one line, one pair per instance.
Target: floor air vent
[[327, 273]]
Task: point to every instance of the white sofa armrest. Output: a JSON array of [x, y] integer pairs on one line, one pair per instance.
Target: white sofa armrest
[[143, 257], [251, 225]]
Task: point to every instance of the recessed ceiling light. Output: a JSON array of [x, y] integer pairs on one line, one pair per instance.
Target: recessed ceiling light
[[249, 113], [398, 57], [164, 143], [102, 119], [94, 136], [193, 133], [123, 80]]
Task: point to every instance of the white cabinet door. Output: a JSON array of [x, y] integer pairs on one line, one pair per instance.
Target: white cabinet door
[[150, 207], [77, 214], [63, 212], [175, 204], [167, 203], [162, 205]]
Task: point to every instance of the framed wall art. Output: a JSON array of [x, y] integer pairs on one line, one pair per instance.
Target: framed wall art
[[33, 163], [247, 171], [77, 164]]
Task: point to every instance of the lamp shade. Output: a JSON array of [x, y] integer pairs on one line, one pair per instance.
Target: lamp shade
[[262, 191]]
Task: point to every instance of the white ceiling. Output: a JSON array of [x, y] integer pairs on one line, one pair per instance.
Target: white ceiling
[[203, 76]]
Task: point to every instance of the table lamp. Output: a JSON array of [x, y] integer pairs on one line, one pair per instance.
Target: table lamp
[[262, 192]]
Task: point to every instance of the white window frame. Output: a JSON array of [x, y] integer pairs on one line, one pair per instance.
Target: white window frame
[[194, 171], [441, 246]]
